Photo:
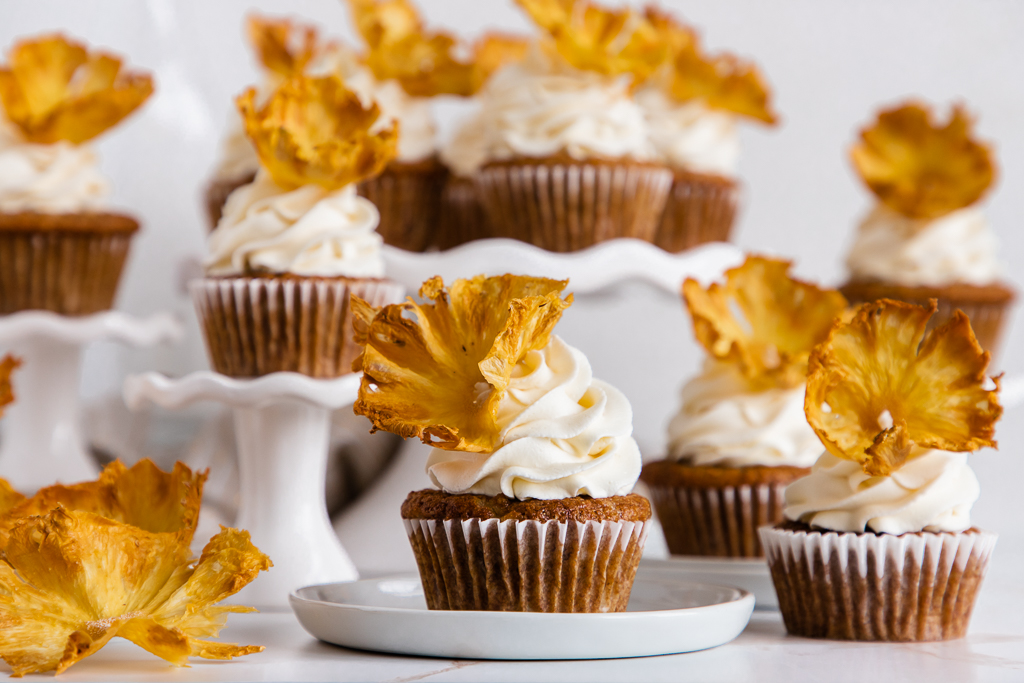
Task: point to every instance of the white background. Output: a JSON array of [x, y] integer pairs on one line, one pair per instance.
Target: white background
[[830, 62]]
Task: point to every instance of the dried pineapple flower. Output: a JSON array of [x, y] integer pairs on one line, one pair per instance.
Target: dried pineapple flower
[[7, 367], [920, 168], [425, 63], [493, 51], [142, 496], [721, 81], [72, 580], [8, 497], [763, 320], [593, 38], [53, 89], [313, 131], [437, 371], [283, 47], [879, 386]]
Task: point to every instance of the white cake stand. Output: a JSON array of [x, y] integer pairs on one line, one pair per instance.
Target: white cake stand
[[42, 440], [282, 426]]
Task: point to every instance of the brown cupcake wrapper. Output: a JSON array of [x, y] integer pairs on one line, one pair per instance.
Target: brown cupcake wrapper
[[462, 217], [717, 521], [986, 316], [255, 326], [699, 209], [527, 566], [570, 206], [67, 272], [217, 192], [866, 586], [409, 201]]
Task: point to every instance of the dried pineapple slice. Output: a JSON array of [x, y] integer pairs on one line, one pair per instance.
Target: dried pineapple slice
[[283, 47], [879, 386], [437, 371]]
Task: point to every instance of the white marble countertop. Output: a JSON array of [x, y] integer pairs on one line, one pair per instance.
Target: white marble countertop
[[994, 651]]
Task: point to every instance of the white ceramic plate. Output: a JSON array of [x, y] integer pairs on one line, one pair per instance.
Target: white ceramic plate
[[664, 616], [751, 574]]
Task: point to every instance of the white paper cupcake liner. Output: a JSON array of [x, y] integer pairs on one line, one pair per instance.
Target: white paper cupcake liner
[[527, 566], [866, 586]]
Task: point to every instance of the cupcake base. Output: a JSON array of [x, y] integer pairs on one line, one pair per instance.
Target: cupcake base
[[462, 218], [876, 587], [716, 511], [985, 305], [570, 205], [408, 196], [258, 325], [700, 208], [217, 193], [497, 554], [66, 263]]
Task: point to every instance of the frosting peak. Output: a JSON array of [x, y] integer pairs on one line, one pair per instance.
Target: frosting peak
[[563, 434], [306, 231]]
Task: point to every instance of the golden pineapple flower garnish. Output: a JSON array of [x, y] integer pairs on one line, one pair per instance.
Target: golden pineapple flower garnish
[[721, 81], [283, 47], [72, 578], [591, 37], [425, 62], [763, 320], [920, 167], [53, 89], [7, 367], [8, 497], [437, 371], [314, 131], [879, 386]]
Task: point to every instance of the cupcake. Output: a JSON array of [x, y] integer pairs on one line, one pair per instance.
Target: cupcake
[[740, 436], [297, 242], [878, 542], [559, 151], [926, 238], [692, 106], [533, 458], [61, 248]]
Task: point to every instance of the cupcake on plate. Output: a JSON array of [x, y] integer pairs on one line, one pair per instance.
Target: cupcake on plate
[[693, 106], [534, 459], [879, 544], [740, 436], [294, 244], [926, 238], [61, 248], [559, 150]]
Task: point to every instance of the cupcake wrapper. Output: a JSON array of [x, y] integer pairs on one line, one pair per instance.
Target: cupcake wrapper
[[217, 193], [986, 316], [71, 273], [717, 522], [699, 209], [462, 218], [254, 326], [527, 566], [409, 201], [849, 586], [567, 207]]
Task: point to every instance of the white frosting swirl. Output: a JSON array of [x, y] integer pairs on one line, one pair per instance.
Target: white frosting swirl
[[307, 231], [932, 491], [690, 136], [563, 434], [723, 423], [959, 247], [540, 107], [54, 178]]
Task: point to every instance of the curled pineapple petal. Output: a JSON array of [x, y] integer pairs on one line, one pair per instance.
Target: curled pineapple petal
[[590, 37], [313, 131], [282, 46], [8, 365], [437, 371], [53, 89], [920, 167], [72, 580], [9, 498], [142, 496], [879, 385], [763, 320], [493, 51]]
